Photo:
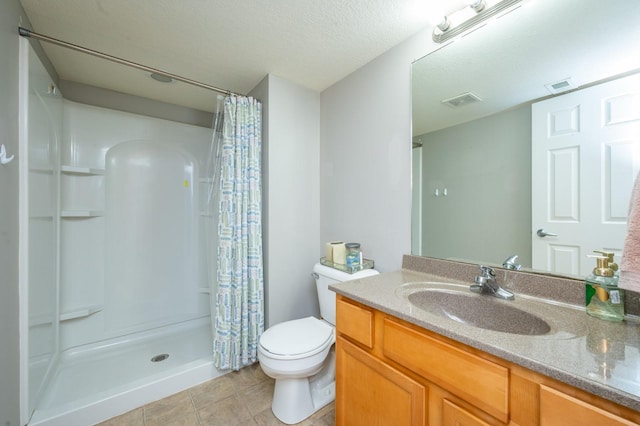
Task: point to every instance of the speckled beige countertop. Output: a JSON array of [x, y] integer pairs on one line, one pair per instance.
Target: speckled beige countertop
[[571, 352]]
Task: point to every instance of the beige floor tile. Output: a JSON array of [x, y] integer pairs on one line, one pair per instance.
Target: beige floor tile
[[248, 422], [240, 398], [267, 418], [257, 397], [327, 419], [131, 418], [227, 412], [171, 410], [247, 376], [189, 419], [324, 415], [211, 391]]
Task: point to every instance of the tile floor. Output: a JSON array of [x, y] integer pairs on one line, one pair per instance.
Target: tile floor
[[239, 398]]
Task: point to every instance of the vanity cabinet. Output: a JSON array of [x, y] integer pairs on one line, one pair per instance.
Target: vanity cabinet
[[391, 372]]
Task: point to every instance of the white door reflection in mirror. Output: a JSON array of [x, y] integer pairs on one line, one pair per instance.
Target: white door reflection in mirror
[[585, 157]]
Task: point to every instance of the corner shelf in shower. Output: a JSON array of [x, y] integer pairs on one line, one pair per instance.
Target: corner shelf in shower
[[86, 171], [70, 214], [38, 320], [46, 217], [43, 170], [80, 313]]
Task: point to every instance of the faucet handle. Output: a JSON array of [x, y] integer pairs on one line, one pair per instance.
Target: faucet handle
[[487, 271], [511, 263]]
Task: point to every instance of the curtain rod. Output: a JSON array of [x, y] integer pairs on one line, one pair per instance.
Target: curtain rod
[[31, 34]]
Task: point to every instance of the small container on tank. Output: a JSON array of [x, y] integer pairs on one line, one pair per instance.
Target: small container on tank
[[353, 256]]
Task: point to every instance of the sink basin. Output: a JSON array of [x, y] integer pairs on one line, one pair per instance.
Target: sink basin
[[480, 311]]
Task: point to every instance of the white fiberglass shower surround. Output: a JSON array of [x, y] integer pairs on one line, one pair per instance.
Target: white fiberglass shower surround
[[115, 267]]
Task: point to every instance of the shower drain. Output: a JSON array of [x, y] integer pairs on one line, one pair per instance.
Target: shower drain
[[159, 358]]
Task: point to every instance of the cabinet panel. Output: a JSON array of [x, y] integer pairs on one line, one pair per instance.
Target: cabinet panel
[[369, 392], [557, 408], [355, 322], [454, 415], [476, 380], [524, 398]]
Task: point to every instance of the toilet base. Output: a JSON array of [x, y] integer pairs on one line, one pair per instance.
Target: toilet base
[[296, 399], [292, 401]]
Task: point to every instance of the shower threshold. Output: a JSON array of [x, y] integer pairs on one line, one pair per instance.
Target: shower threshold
[[96, 383]]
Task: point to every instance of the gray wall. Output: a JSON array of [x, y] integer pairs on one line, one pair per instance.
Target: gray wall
[[10, 14], [365, 157], [291, 197], [118, 101], [482, 163]]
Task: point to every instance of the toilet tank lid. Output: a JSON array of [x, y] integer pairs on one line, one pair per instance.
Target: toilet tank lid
[[341, 276]]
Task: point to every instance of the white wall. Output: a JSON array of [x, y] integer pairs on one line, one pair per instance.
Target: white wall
[[10, 14], [291, 170], [365, 189]]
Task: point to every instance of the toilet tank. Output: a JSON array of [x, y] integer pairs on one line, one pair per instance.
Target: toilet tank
[[325, 276]]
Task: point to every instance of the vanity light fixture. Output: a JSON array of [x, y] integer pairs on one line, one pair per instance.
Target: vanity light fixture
[[469, 16], [478, 5]]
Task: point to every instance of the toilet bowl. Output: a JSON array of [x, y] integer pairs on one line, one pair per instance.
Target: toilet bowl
[[294, 353], [300, 356]]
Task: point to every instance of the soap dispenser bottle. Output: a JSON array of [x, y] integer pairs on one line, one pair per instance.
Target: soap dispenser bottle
[[604, 299]]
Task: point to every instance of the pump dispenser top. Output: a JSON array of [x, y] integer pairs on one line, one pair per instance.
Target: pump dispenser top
[[603, 268], [604, 299], [609, 255]]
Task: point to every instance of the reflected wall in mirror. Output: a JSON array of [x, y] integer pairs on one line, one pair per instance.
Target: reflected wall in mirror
[[472, 167]]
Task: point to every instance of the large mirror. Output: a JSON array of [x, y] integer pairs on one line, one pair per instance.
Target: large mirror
[[472, 161]]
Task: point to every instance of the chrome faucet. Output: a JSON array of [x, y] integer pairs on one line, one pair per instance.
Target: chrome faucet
[[510, 263], [485, 283]]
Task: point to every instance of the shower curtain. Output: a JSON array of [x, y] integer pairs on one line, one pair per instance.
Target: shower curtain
[[239, 299]]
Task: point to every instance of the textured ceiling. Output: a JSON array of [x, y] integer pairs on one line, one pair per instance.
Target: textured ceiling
[[315, 43], [228, 44]]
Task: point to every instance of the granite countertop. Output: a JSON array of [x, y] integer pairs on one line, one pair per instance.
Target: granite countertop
[[572, 352]]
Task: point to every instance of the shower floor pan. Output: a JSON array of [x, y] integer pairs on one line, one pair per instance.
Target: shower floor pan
[[100, 381]]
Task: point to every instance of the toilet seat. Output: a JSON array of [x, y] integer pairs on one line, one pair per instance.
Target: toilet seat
[[297, 338]]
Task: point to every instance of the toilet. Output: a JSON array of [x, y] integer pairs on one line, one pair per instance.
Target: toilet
[[299, 354]]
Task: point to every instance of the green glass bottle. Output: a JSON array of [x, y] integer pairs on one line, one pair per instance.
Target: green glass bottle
[[604, 299]]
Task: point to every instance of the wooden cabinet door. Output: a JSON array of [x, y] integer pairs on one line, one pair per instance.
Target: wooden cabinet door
[[557, 408], [453, 415], [371, 393]]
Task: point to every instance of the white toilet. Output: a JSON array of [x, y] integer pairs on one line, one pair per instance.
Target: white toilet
[[299, 353]]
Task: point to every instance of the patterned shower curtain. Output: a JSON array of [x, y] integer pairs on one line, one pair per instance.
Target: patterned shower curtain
[[240, 291]]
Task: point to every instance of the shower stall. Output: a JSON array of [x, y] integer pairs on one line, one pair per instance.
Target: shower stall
[[116, 263]]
